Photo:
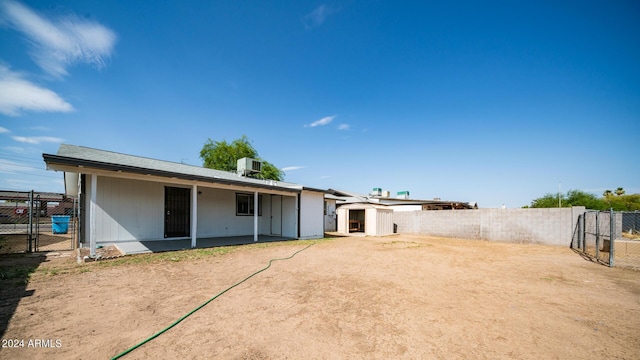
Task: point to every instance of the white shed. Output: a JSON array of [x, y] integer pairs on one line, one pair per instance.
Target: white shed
[[370, 219]]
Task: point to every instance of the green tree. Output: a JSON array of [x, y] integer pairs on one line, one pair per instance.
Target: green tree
[[581, 198], [222, 155], [629, 202], [548, 201], [572, 198], [608, 200]]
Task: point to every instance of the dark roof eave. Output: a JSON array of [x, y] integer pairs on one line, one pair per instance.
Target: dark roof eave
[[315, 189], [63, 160]]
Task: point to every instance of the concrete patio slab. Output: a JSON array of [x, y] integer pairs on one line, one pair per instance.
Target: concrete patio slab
[[149, 246]]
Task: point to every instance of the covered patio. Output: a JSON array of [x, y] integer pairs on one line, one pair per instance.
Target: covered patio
[[149, 246]]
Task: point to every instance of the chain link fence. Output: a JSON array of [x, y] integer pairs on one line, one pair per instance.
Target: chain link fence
[[628, 244], [609, 237], [31, 222]]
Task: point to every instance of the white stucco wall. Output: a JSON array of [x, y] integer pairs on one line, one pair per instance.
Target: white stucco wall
[[311, 215], [330, 217], [290, 221], [405, 207], [217, 214], [127, 210]]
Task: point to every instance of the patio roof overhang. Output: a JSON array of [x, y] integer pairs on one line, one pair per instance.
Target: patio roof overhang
[[77, 165]]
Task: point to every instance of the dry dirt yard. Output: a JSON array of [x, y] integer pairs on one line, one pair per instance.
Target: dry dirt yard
[[399, 297]]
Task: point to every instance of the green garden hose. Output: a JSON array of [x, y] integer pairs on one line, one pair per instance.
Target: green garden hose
[[203, 305]]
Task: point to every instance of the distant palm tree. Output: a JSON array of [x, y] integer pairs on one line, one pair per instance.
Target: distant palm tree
[[619, 191], [607, 193]]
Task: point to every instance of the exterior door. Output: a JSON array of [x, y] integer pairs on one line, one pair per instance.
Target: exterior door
[[276, 214], [177, 210]]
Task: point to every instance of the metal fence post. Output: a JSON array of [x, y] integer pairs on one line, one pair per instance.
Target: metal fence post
[[581, 232], [30, 229], [612, 225], [598, 235], [36, 236], [584, 230]]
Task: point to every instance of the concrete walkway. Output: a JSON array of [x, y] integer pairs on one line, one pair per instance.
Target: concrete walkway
[[140, 247]]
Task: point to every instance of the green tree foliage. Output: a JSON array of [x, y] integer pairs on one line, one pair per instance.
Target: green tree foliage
[[629, 202], [547, 201], [610, 199], [222, 155], [581, 198]]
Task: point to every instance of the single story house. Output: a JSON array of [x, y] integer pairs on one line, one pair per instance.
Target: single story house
[[129, 200]]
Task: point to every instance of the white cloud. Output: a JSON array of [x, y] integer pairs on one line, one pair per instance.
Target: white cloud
[[292, 168], [18, 94], [325, 177], [15, 149], [318, 16], [39, 128], [324, 121], [344, 127], [59, 43], [4, 130], [37, 139], [11, 167]]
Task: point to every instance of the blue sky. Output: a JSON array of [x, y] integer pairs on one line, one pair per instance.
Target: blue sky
[[497, 102]]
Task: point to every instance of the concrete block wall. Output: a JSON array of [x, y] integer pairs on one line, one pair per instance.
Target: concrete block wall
[[462, 224], [539, 226]]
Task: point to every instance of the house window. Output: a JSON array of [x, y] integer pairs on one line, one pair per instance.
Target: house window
[[244, 205]]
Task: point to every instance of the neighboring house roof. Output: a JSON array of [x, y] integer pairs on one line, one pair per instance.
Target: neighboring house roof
[[85, 157], [332, 197], [361, 206], [345, 197], [24, 196]]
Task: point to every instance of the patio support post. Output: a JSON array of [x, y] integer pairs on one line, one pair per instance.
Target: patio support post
[[92, 216], [255, 216], [194, 214]]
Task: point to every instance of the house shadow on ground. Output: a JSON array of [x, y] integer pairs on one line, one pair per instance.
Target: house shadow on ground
[[15, 271]]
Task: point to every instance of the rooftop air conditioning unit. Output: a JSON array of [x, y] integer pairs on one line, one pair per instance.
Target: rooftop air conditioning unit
[[402, 195], [247, 166], [376, 192]]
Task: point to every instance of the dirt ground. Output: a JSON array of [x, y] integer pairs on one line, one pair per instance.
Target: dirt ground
[[400, 297]]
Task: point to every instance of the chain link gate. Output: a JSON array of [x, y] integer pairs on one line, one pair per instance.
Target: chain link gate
[[609, 237], [34, 222], [628, 243]]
